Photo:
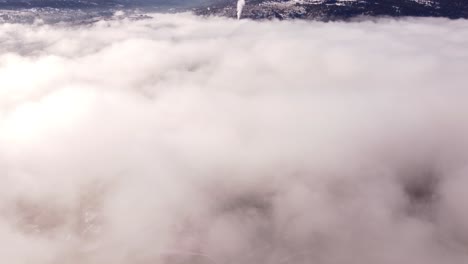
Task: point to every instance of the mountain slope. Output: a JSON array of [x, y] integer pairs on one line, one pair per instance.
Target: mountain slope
[[340, 9]]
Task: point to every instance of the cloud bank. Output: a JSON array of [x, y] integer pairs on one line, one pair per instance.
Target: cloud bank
[[181, 139]]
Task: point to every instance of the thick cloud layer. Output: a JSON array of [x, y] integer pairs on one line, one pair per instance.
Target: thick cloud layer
[[180, 139]]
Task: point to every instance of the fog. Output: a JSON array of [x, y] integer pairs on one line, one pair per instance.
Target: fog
[[180, 139]]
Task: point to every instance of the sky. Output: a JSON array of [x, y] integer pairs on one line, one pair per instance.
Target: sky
[[185, 139]]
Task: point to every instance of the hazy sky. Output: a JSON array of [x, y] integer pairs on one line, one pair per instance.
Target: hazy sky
[[181, 139]]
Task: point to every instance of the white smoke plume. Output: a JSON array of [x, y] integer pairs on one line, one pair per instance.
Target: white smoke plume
[[240, 7], [180, 139]]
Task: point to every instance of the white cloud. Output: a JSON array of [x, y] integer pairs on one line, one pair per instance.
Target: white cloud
[[181, 138]]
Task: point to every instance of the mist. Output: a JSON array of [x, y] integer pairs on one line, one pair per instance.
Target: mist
[[181, 139], [240, 6]]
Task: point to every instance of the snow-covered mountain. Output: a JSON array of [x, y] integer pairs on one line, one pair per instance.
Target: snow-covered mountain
[[90, 10], [340, 9]]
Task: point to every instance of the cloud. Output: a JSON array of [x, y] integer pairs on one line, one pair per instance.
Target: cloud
[[181, 139]]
